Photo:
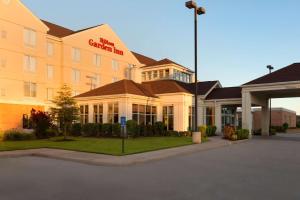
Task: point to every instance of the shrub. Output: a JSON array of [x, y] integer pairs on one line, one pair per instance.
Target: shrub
[[211, 131], [229, 131], [278, 129], [132, 128], [298, 125], [41, 122], [76, 129], [116, 130], [285, 126], [242, 134], [257, 132], [273, 131], [202, 129], [107, 130], [159, 128], [173, 133], [51, 132], [89, 130], [17, 135], [185, 133]]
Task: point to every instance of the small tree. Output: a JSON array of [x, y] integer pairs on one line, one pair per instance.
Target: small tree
[[65, 111], [41, 123]]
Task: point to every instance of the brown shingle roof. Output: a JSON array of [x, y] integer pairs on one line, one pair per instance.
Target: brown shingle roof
[[56, 30], [173, 86], [225, 93], [143, 59], [286, 74], [120, 87], [165, 61]]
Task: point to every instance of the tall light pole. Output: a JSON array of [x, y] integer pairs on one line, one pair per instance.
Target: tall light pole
[[270, 67], [197, 11]]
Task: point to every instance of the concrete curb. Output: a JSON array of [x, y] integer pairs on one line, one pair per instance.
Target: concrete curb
[[119, 161]]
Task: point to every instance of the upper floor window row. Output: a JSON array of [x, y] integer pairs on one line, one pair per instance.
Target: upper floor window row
[[29, 37]]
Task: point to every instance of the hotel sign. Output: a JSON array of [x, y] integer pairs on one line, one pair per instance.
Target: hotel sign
[[106, 45]]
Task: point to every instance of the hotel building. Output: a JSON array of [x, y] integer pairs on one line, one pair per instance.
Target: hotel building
[[109, 80]]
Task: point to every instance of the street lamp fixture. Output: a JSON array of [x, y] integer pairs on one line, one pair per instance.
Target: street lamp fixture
[[197, 11], [270, 67]]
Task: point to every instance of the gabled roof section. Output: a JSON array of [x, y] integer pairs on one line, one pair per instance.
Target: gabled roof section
[[225, 93], [56, 30], [165, 61], [286, 74], [119, 87], [166, 86], [173, 86], [143, 59]]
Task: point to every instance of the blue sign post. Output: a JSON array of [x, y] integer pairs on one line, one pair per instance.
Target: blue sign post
[[123, 129]]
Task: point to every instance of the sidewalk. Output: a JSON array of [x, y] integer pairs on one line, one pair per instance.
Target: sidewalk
[[107, 160]]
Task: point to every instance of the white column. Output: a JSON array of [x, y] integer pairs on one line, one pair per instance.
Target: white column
[[200, 112], [246, 111], [105, 112], [218, 118], [265, 118], [91, 113]]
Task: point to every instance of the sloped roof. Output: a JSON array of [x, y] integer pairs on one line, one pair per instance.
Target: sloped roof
[[143, 59], [165, 61], [56, 30], [286, 74], [173, 86], [225, 93], [119, 87], [60, 31]]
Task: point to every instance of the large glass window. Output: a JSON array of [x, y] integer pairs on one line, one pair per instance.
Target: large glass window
[[97, 60], [144, 114], [113, 113], [50, 49], [84, 114], [210, 116], [75, 75], [228, 116], [76, 54], [168, 117], [115, 65], [29, 63], [98, 113]]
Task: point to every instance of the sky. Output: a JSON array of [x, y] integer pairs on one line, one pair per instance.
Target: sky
[[237, 39]]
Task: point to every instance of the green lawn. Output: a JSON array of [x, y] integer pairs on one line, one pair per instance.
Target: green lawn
[[100, 145]]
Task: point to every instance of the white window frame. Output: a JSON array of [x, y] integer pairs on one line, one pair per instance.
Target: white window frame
[[75, 75], [50, 72], [32, 89], [50, 49], [76, 54], [30, 37], [97, 60], [29, 63], [115, 65]]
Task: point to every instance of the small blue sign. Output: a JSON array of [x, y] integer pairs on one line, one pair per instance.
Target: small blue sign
[[123, 121]]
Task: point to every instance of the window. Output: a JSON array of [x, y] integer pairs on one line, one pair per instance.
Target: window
[[154, 74], [29, 63], [113, 113], [149, 75], [29, 37], [50, 49], [144, 114], [29, 89], [191, 117], [98, 113], [210, 116], [84, 114], [75, 75], [3, 34], [143, 76], [168, 117], [115, 65], [50, 71], [114, 79], [97, 60], [50, 93], [96, 81], [76, 54], [167, 73], [3, 92], [161, 73]]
